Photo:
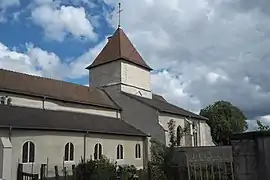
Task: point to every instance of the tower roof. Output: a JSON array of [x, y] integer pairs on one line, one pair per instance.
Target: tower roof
[[119, 47]]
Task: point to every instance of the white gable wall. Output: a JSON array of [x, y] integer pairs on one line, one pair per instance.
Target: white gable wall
[[32, 102], [204, 132], [134, 79], [206, 137], [165, 118], [49, 148]]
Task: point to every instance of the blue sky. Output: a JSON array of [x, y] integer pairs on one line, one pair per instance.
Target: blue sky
[[18, 29], [201, 50]]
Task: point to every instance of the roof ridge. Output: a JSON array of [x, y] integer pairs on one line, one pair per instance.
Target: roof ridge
[[133, 97], [103, 89]]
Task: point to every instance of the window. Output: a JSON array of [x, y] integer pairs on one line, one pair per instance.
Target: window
[[9, 101], [179, 135], [138, 151], [120, 152], [195, 135], [97, 151], [195, 139], [69, 152], [28, 152], [3, 100]]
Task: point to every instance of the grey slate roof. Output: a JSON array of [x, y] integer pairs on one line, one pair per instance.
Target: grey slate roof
[[160, 104], [32, 118]]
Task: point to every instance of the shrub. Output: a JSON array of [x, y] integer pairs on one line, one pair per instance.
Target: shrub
[[101, 169]]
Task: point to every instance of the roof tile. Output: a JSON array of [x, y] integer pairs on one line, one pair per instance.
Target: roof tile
[[119, 47], [55, 89], [33, 118]]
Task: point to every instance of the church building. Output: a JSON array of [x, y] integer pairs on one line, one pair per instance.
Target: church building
[[57, 123]]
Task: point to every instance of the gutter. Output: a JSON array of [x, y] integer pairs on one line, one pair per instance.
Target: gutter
[[76, 130]]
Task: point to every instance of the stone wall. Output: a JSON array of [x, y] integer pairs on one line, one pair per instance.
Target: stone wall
[[251, 155]]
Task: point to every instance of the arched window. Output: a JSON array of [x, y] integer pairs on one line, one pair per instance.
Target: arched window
[[195, 139], [97, 151], [69, 152], [28, 152], [179, 134], [120, 152], [138, 151]]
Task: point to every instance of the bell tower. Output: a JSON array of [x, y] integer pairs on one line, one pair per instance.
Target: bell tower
[[120, 64]]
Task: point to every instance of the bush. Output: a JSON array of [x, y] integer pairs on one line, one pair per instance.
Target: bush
[[104, 169], [101, 169]]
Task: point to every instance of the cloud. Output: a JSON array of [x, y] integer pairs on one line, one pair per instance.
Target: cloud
[[8, 3], [34, 61], [37, 61], [211, 50], [4, 5], [59, 22]]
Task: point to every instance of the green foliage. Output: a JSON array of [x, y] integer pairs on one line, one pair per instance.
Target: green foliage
[[262, 127], [161, 166], [104, 169], [126, 172], [101, 169], [224, 120]]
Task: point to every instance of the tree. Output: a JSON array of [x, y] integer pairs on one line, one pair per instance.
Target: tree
[[224, 120], [262, 127]]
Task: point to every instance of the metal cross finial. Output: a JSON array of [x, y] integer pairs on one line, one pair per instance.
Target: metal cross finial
[[119, 11]]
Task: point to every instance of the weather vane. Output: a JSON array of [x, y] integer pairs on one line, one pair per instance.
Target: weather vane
[[119, 12]]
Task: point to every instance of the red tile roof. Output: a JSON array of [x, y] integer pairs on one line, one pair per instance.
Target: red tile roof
[[119, 47]]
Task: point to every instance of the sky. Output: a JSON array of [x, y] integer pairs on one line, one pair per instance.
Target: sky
[[201, 50]]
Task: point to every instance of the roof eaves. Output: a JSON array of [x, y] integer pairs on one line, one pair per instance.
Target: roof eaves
[[195, 117], [91, 66], [74, 130]]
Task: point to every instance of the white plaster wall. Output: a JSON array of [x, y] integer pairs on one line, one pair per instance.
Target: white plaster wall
[[164, 120], [1, 159], [204, 133], [206, 138], [136, 91], [105, 74], [6, 158], [50, 145], [27, 101], [53, 105], [135, 76]]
